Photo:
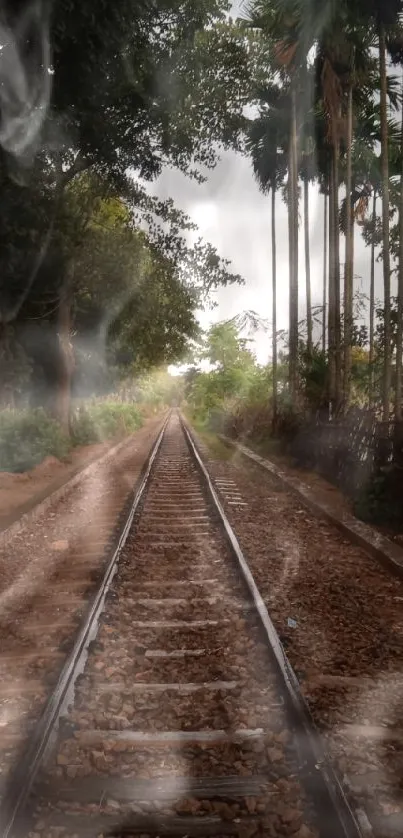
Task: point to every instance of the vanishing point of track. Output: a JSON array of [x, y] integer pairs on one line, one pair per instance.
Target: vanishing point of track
[[177, 712]]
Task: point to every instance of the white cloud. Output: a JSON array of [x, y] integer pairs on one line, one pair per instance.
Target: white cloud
[[235, 217]]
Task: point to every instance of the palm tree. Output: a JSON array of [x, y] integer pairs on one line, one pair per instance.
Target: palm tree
[[349, 261], [336, 29], [265, 136], [325, 267], [293, 246], [307, 267], [399, 335], [384, 15], [359, 86], [372, 304], [274, 299], [329, 94], [278, 20], [367, 163], [308, 172], [346, 73], [387, 355]]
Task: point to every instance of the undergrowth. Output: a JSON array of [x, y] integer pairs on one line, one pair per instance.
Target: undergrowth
[[27, 436], [107, 420]]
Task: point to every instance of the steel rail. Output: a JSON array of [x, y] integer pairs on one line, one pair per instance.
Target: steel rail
[[321, 781], [23, 776], [320, 778]]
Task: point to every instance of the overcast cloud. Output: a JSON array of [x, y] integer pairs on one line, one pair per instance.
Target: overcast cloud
[[234, 216]]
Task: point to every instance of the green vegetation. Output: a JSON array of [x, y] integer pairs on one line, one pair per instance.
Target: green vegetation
[[231, 398], [27, 437], [328, 113], [99, 283], [103, 421]]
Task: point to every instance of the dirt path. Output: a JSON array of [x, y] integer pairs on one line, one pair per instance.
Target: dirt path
[[19, 492], [16, 490], [48, 573]]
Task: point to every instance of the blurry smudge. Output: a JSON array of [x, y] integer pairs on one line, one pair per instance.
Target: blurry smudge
[[25, 78]]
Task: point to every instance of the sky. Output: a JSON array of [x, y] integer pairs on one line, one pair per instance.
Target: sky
[[234, 216]]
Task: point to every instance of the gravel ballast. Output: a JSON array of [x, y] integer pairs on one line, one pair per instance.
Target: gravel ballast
[[339, 614]]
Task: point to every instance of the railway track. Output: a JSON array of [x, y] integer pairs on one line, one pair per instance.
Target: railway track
[[177, 712]]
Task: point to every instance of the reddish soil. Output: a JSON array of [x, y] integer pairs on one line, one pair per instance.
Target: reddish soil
[[339, 614], [16, 490], [48, 573], [322, 488]]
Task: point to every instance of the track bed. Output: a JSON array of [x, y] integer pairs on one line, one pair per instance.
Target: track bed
[[179, 722]]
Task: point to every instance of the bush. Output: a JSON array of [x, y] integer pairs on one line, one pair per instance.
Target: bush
[[27, 437], [107, 420]]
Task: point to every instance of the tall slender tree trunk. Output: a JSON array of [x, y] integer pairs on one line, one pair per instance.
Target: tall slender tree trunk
[[349, 259], [66, 364], [325, 272], [307, 268], [274, 299], [293, 231], [387, 357], [337, 326], [372, 306], [399, 336], [331, 307]]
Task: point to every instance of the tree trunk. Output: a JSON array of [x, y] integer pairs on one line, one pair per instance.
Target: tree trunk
[[325, 270], [372, 306], [307, 268], [293, 249], [386, 380], [349, 260], [399, 335], [331, 307], [65, 362], [274, 300], [337, 329]]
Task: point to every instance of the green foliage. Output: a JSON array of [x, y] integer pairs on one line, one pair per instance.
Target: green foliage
[[27, 437], [159, 85], [224, 346], [159, 389], [133, 86], [107, 420], [313, 369], [217, 397]]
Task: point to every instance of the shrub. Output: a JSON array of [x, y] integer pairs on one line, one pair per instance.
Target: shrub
[[27, 437], [106, 420]]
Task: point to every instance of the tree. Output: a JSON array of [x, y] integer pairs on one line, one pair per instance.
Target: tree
[[372, 304], [308, 172], [153, 93], [383, 15], [274, 299], [325, 269], [349, 260], [132, 295], [386, 383], [278, 23], [263, 142], [399, 337], [307, 266]]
